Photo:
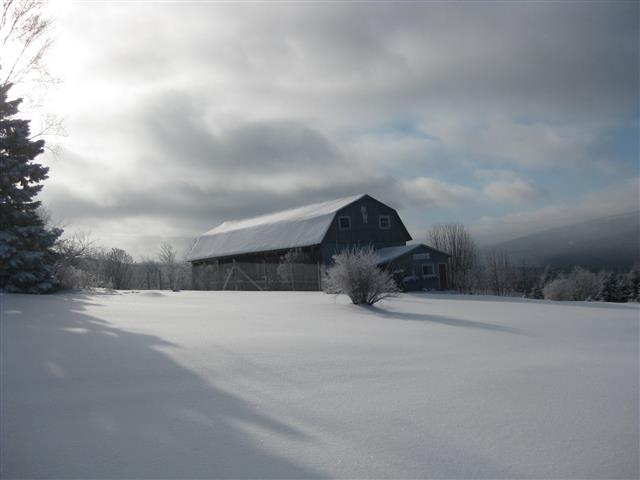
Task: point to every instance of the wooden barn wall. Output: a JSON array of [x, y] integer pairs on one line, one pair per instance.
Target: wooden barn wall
[[257, 276], [260, 271]]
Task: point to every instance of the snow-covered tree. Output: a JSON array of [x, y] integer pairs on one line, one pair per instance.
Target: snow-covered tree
[[26, 255], [613, 288], [634, 284], [355, 273]]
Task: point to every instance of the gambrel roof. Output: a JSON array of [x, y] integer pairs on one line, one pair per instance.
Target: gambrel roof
[[294, 228]]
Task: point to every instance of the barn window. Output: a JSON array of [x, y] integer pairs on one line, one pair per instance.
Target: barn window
[[384, 222], [421, 256], [344, 222], [428, 270]]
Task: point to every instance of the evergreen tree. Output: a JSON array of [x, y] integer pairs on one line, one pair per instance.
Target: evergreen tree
[[624, 288], [634, 284], [536, 292], [613, 289], [26, 257], [607, 290], [544, 278]]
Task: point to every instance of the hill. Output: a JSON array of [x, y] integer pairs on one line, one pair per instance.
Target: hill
[[611, 242]]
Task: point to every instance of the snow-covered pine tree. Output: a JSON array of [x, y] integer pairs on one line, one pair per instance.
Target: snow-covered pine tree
[[634, 284], [608, 288], [613, 289], [26, 257], [624, 288]]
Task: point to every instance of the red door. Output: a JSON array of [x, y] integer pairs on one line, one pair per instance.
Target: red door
[[442, 276]]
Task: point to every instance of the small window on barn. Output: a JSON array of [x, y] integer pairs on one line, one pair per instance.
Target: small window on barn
[[344, 222], [428, 270], [384, 222], [421, 256]]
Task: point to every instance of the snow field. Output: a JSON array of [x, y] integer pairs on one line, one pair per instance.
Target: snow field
[[305, 385]]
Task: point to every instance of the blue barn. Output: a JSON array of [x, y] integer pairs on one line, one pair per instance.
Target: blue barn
[[250, 253]]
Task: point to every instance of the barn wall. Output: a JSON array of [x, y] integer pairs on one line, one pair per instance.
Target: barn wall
[[365, 229]]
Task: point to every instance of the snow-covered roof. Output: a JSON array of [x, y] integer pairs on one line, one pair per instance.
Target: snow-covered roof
[[389, 254], [386, 255], [294, 228]]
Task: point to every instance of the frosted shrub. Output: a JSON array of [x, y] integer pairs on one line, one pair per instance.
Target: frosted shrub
[[356, 273], [580, 284], [586, 284], [73, 277], [558, 289]]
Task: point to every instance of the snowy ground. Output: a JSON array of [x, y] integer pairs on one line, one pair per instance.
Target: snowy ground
[[241, 384]]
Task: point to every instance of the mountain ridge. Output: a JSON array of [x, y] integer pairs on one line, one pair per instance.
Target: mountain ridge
[[610, 242]]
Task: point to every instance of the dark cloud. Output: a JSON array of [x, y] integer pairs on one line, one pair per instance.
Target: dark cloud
[[185, 115], [561, 59], [177, 205], [175, 125]]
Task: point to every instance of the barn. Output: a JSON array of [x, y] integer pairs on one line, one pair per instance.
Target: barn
[[289, 250]]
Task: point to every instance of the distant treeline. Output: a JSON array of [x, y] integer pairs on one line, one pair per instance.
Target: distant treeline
[[82, 264], [495, 273]]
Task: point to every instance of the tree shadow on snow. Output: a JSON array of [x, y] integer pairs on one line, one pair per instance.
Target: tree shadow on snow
[[440, 319], [82, 399]]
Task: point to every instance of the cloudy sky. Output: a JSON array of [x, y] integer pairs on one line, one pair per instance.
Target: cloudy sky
[[508, 117]]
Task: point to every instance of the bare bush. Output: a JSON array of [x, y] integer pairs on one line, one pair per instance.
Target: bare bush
[[456, 240], [168, 259], [116, 267], [78, 277], [74, 261], [150, 275], [500, 273], [355, 273]]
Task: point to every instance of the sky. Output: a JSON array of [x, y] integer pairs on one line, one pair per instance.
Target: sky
[[507, 117]]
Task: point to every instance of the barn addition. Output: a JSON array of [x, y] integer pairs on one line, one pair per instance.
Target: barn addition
[[289, 250]]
